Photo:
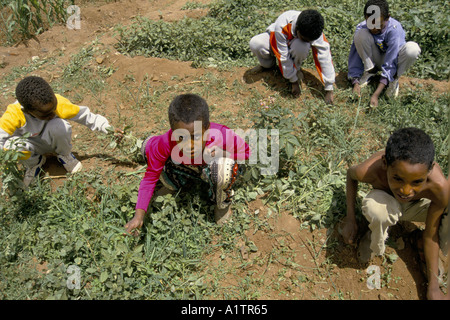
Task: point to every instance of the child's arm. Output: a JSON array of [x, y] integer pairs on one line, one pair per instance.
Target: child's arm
[[91, 120], [145, 193], [279, 45], [376, 95], [440, 197], [350, 227], [323, 61], [431, 250], [81, 114], [395, 38], [365, 172], [10, 121], [158, 151]]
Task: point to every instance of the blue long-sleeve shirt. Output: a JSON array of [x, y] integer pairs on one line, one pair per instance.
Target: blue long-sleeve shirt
[[389, 42]]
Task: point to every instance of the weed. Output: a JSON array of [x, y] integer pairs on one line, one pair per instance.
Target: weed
[[221, 38], [81, 222], [11, 173], [24, 19]]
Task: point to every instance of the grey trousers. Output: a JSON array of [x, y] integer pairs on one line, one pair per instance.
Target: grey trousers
[[260, 46], [372, 56], [54, 138]]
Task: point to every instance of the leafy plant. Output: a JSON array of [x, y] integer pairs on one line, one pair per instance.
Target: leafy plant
[[28, 18], [221, 38], [128, 144], [47, 229], [11, 173]]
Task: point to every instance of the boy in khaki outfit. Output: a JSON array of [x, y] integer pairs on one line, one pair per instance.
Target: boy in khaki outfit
[[407, 185]]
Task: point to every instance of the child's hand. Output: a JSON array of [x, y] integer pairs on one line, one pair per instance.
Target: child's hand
[[135, 224], [373, 101], [357, 90], [348, 230], [118, 134]]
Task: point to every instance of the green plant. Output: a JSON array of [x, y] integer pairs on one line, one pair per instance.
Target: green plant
[[49, 228], [128, 144], [28, 18], [11, 173], [73, 227], [221, 38]]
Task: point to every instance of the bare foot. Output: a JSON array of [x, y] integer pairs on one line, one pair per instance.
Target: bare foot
[[357, 90]]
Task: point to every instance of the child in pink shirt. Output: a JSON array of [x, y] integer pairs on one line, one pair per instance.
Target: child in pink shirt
[[194, 150]]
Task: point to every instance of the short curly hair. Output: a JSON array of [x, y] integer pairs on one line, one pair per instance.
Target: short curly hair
[[412, 145], [310, 24], [32, 92], [189, 108]]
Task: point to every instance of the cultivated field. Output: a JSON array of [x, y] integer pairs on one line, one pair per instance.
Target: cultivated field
[[127, 61]]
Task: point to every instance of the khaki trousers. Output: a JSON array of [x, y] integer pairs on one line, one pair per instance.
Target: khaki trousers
[[382, 211]]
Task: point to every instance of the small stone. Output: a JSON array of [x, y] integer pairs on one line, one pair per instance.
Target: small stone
[[382, 296], [244, 252]]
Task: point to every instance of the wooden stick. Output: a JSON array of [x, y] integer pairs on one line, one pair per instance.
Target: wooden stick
[[54, 177]]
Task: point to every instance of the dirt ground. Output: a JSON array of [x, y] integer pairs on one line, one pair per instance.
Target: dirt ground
[[291, 262]]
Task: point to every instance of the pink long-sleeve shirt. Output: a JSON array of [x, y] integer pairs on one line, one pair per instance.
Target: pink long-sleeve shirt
[[160, 148]]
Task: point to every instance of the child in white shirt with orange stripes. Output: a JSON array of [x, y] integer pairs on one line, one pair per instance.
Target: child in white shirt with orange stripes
[[288, 41]]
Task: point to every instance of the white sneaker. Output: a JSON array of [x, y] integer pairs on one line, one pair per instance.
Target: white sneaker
[[34, 171], [392, 89], [70, 163], [364, 80]]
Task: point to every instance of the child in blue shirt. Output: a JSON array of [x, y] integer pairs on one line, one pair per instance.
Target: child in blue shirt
[[379, 45]]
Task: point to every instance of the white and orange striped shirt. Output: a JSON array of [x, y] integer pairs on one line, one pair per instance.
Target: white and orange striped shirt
[[282, 32]]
